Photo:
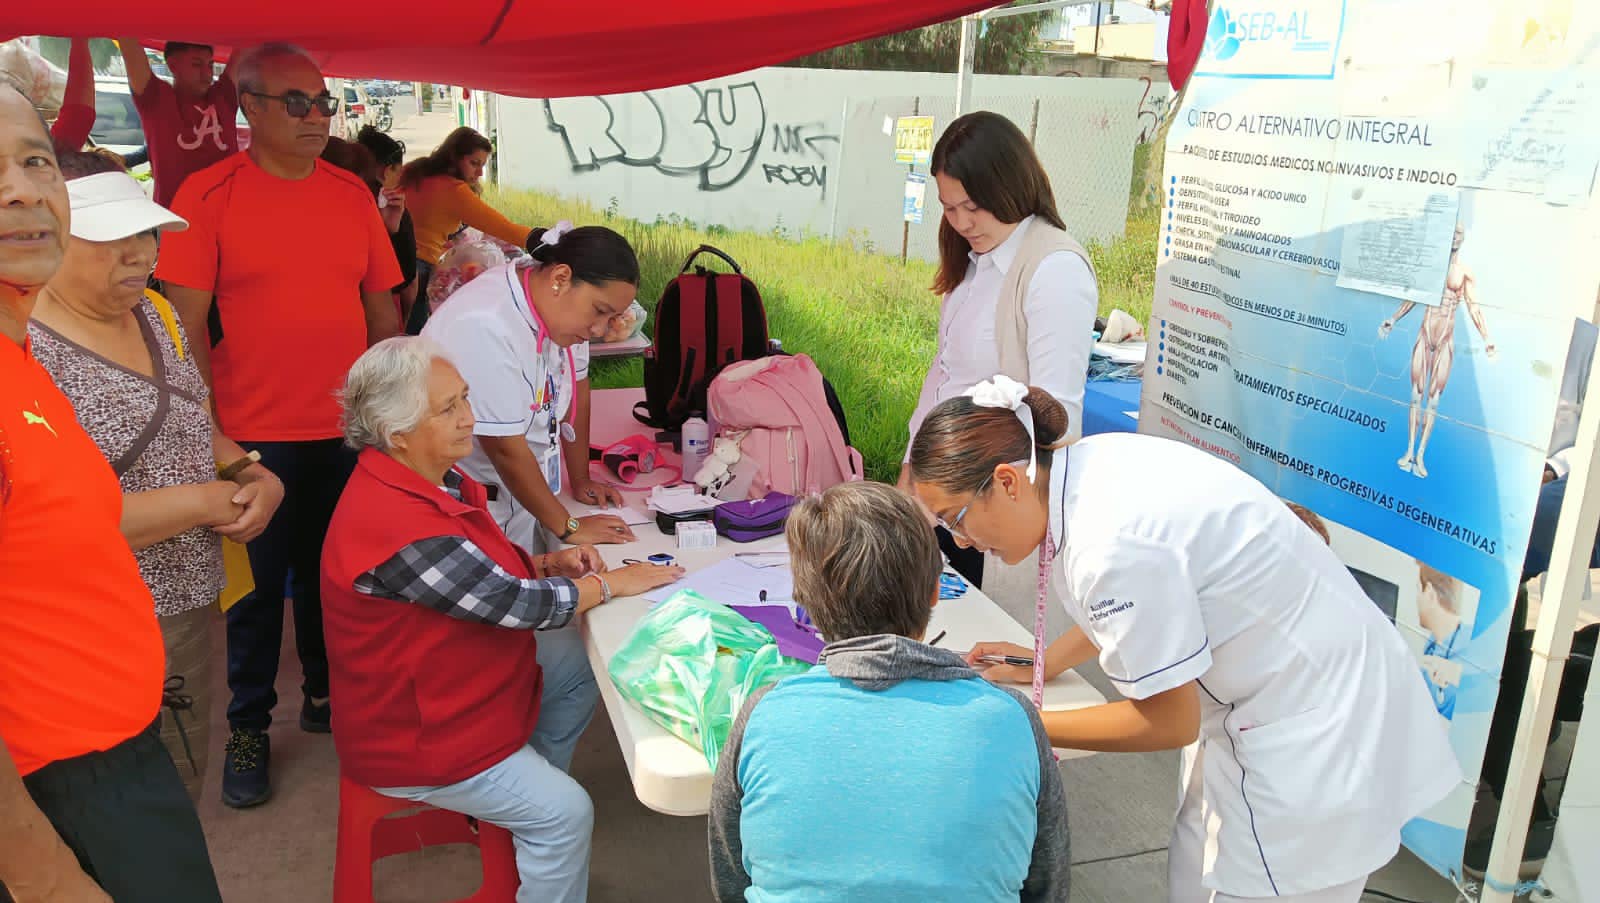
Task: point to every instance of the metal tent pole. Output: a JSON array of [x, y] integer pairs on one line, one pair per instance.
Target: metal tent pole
[[1552, 642]]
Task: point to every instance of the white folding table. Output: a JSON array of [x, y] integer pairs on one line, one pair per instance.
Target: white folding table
[[669, 775]]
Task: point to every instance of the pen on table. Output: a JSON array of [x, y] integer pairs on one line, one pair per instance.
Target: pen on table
[[1018, 660], [935, 640]]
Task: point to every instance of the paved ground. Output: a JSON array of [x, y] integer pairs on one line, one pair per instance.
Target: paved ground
[[1120, 808], [420, 132]]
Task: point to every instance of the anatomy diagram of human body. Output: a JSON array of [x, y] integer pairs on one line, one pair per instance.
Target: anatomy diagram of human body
[[1433, 355]]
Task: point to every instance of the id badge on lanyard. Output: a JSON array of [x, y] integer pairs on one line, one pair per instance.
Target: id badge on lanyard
[[555, 429], [547, 400]]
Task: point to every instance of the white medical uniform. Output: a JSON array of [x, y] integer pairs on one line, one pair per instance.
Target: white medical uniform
[[520, 383], [1318, 738], [1060, 306]]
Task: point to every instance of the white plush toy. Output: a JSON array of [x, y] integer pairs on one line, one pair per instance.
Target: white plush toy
[[718, 467]]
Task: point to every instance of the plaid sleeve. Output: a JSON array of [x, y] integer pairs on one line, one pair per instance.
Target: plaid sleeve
[[450, 574]]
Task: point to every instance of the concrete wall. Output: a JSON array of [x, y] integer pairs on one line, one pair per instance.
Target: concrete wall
[[804, 150], [1134, 41]]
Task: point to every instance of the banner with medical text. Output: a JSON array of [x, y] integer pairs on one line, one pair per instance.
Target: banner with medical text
[[1378, 241]]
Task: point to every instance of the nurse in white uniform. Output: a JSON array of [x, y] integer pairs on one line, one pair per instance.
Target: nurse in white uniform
[[1229, 626], [519, 335], [1019, 293]]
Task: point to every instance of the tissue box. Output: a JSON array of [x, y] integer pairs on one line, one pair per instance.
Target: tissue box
[[697, 535]]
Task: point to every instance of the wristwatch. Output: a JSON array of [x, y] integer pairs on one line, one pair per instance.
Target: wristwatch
[[572, 527]]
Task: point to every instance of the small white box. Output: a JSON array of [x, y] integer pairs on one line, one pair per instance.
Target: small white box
[[697, 534]]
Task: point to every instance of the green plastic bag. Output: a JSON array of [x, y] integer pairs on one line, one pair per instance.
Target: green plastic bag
[[690, 664]]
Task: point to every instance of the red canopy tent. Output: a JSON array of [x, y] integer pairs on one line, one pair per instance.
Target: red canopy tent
[[518, 47]]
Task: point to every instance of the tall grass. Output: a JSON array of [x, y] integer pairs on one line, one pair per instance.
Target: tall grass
[[869, 321]]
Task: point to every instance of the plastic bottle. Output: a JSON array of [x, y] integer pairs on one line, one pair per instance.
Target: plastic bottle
[[696, 445]]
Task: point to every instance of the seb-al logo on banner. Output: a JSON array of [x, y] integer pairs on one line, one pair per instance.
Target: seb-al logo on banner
[[1272, 39]]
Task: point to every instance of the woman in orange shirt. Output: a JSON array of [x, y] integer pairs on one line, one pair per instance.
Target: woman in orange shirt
[[442, 193]]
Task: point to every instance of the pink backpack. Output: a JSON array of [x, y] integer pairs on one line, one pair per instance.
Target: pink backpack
[[775, 407]]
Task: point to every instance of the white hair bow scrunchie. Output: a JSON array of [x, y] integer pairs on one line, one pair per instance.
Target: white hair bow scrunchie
[[552, 236], [1005, 392]]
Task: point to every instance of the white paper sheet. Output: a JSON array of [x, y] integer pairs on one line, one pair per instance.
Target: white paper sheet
[[1533, 133], [630, 515], [732, 582], [764, 559], [680, 500], [1398, 239]]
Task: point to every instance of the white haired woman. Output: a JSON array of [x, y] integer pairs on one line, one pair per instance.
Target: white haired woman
[[432, 615]]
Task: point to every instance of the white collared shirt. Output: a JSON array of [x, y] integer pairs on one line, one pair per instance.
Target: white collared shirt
[[516, 379], [1320, 736], [1060, 307]]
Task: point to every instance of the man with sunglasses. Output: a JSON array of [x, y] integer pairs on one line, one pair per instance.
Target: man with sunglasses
[[288, 264], [189, 124]]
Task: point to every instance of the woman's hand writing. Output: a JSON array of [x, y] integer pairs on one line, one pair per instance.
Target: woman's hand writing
[[1017, 674]]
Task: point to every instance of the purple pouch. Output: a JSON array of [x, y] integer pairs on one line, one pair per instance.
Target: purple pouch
[[752, 519]]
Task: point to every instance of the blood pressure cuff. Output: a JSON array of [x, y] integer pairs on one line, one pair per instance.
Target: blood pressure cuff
[[628, 458]]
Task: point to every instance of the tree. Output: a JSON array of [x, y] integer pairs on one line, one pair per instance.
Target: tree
[[1005, 47]]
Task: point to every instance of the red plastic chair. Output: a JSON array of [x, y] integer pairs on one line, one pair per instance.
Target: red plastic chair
[[369, 831]]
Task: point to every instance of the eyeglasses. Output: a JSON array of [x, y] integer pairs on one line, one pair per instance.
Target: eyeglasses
[[954, 526], [299, 104]]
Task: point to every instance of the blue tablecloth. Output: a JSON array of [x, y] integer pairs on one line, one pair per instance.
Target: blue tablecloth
[[1106, 406]]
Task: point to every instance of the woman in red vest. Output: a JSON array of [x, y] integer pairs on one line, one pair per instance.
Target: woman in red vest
[[431, 616]]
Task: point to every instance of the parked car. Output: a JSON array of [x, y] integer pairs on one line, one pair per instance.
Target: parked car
[[117, 127], [359, 109]]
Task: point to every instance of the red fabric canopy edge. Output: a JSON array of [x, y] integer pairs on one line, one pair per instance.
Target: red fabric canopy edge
[[513, 47]]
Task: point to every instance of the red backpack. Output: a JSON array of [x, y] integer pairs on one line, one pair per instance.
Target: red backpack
[[704, 322]]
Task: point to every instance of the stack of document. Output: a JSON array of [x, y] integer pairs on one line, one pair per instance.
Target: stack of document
[[680, 500], [732, 582]]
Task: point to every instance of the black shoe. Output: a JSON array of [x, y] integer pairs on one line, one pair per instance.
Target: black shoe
[[316, 719], [1541, 835], [245, 782]]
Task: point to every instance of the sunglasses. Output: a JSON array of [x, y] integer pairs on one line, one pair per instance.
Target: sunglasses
[[299, 104]]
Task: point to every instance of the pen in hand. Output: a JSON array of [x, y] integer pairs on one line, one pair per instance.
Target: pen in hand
[[1017, 660]]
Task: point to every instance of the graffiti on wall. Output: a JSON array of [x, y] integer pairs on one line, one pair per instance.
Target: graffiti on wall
[[806, 165], [1152, 111], [715, 135]]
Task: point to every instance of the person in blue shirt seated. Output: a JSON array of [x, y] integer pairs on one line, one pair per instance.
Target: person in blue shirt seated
[[890, 771]]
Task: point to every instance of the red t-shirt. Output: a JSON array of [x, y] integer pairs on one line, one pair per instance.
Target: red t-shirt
[[287, 261], [81, 659], [184, 136]]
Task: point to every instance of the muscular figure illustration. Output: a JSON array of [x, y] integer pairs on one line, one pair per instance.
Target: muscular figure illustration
[[1434, 353]]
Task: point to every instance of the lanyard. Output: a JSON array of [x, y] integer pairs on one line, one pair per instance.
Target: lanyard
[[1047, 556], [1449, 648], [572, 368]]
